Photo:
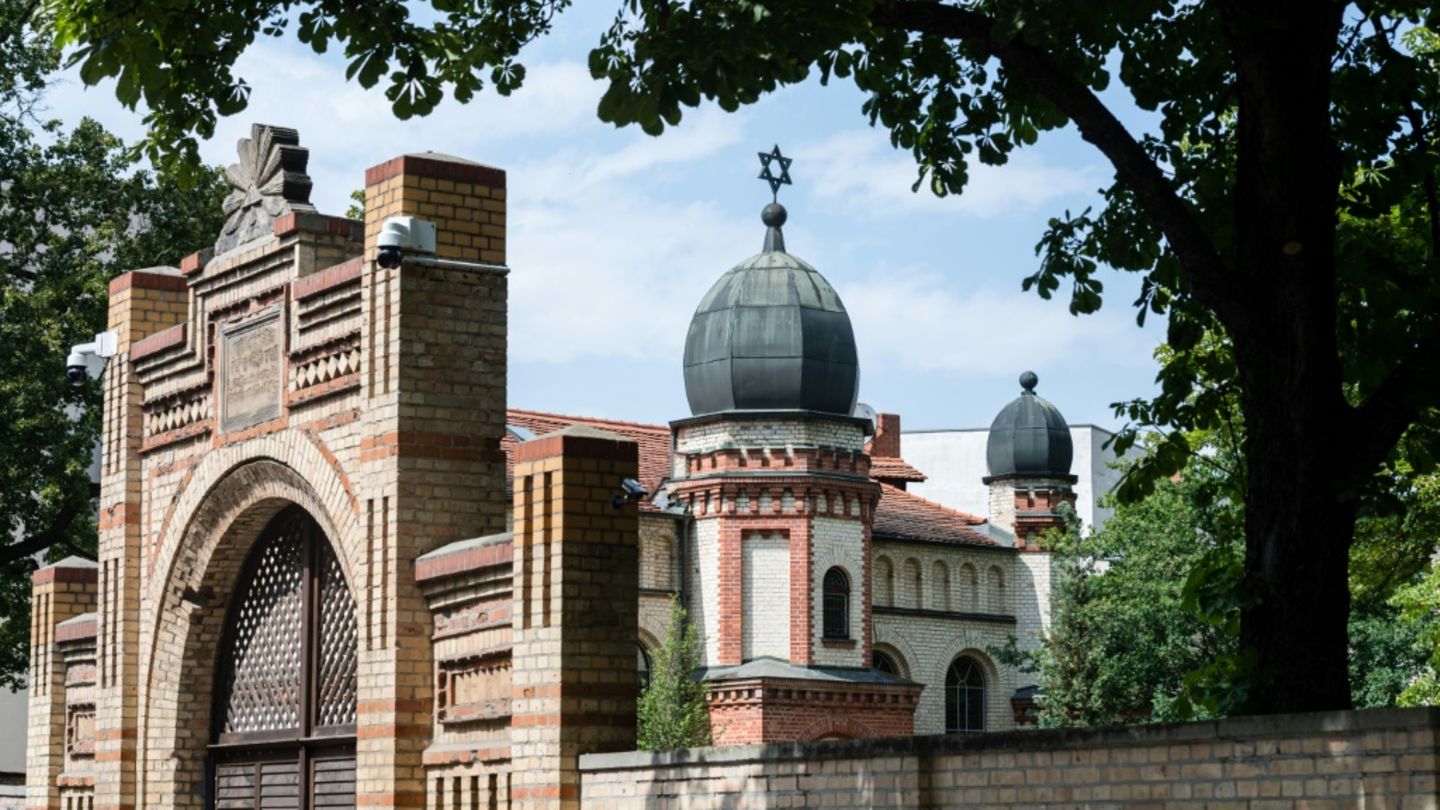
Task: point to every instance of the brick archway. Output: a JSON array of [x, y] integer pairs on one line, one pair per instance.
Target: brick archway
[[201, 559], [832, 727]]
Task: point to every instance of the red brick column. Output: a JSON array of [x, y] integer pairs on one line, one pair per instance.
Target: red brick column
[[802, 593], [576, 569], [730, 645], [58, 592], [142, 303], [431, 470]]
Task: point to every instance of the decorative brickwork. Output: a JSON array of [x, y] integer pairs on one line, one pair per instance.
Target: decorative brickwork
[[285, 371], [576, 581], [62, 593]]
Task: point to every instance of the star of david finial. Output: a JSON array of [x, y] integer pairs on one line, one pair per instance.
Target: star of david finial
[[767, 161]]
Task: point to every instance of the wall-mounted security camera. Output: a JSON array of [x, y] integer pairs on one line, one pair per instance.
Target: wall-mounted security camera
[[87, 360], [402, 236], [631, 491]]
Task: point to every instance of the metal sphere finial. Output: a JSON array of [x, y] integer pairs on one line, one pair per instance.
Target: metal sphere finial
[[773, 215], [1028, 381]]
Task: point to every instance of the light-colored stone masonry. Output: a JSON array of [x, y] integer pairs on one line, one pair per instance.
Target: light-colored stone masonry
[[765, 595], [966, 601], [1386, 759]]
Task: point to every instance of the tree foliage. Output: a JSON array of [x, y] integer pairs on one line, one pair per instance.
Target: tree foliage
[[672, 710], [1265, 126], [1125, 637], [75, 211]]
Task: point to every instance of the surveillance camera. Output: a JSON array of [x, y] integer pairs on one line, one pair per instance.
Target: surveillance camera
[[390, 256], [631, 491], [88, 359], [401, 235]]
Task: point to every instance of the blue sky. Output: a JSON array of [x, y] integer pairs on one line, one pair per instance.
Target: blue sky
[[615, 236]]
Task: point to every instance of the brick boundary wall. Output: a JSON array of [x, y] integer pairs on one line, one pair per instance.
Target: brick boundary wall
[[1383, 758]]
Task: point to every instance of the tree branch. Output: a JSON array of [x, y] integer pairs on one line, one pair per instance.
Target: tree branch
[[1383, 418], [1204, 268], [36, 543]]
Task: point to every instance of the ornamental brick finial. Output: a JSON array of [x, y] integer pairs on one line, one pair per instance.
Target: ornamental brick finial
[[268, 182]]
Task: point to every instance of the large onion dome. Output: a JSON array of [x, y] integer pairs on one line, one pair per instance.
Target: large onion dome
[[1030, 437], [771, 334]]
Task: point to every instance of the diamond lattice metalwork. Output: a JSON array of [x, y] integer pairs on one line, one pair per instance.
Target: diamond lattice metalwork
[[268, 643], [337, 645]]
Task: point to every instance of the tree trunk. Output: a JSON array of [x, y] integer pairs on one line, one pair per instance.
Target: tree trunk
[[1299, 522], [1281, 311]]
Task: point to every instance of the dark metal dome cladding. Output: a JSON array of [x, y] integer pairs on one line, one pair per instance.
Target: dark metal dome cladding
[[1029, 437]]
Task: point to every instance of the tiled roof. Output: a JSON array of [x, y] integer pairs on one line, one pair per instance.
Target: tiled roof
[[654, 440], [891, 469], [899, 514], [911, 517]]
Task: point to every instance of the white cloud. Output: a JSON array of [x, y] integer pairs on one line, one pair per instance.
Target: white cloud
[[603, 266], [915, 321], [860, 171]]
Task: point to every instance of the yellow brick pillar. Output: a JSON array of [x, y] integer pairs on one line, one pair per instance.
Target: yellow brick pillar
[[142, 303], [576, 569], [433, 388], [58, 592]]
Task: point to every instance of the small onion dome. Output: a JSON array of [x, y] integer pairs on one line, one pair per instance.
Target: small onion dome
[[771, 335], [1029, 437]]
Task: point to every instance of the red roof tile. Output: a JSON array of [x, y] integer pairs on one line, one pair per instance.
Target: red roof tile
[[892, 469], [903, 515], [654, 440], [899, 514]]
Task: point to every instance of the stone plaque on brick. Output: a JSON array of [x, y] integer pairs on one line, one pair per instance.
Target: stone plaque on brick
[[251, 377]]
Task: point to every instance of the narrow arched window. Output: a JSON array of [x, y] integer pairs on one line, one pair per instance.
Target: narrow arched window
[[642, 667], [837, 604], [964, 697]]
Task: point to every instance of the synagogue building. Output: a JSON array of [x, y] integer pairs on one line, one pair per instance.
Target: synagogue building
[[338, 569]]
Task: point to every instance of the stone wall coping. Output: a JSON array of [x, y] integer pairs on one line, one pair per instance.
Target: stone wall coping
[[315, 222], [465, 556], [158, 342], [78, 628], [327, 279], [1259, 726]]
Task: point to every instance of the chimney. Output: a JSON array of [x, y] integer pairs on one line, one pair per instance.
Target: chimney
[[886, 443]]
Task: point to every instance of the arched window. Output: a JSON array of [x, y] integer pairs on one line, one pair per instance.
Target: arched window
[[964, 697], [642, 666], [884, 663], [884, 582], [837, 604], [287, 675]]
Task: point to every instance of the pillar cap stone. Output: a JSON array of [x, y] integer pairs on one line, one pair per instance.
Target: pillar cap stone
[[70, 569], [578, 440]]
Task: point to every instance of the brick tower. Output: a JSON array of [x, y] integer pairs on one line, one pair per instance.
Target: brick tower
[[1028, 455], [772, 468]]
